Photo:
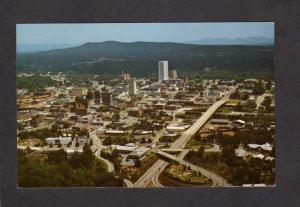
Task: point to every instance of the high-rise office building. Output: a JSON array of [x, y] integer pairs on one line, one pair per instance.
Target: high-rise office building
[[132, 87], [173, 74], [106, 98], [125, 76], [97, 96], [163, 72], [77, 92]]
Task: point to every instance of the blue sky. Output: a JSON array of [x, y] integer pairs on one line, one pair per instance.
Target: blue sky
[[130, 32]]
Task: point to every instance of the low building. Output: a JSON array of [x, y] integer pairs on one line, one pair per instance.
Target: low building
[[100, 131], [135, 112], [160, 106], [177, 128], [220, 121], [250, 83], [114, 132], [124, 149], [58, 140], [240, 122], [138, 152], [172, 107], [266, 146], [170, 135], [142, 134]]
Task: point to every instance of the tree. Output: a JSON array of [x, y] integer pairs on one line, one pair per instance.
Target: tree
[[137, 163], [258, 90], [54, 128], [228, 154], [116, 116], [57, 156], [87, 156], [83, 132], [240, 174], [201, 151]]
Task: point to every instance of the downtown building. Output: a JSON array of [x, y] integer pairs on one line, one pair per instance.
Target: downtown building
[[173, 74], [132, 87], [107, 98], [163, 71]]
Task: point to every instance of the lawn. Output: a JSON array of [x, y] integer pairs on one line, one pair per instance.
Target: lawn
[[180, 175], [195, 145]]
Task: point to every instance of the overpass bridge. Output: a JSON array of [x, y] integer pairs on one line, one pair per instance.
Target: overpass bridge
[[172, 150], [180, 143]]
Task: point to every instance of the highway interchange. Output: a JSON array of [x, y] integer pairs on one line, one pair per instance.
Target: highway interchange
[[180, 143]]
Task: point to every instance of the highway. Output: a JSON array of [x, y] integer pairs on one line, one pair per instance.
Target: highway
[[160, 165], [128, 183]]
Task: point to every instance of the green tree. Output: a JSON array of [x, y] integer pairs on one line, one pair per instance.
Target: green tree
[[228, 154], [87, 156], [57, 156], [201, 151]]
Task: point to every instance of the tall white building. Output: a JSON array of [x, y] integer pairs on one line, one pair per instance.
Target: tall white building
[[132, 87], [163, 71]]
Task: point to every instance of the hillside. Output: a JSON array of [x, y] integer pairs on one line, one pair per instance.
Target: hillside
[[140, 58], [235, 41]]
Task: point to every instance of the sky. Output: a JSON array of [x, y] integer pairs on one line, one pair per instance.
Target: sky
[[131, 32]]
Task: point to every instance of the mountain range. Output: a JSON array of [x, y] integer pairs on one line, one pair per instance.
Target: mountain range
[[261, 40], [141, 58]]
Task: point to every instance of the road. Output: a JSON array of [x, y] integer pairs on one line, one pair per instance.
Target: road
[[215, 148], [128, 183], [158, 135], [37, 128], [97, 144], [261, 99], [40, 149], [160, 165], [155, 181]]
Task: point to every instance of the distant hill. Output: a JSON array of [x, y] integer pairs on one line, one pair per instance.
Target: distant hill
[[23, 48], [235, 41], [141, 58]]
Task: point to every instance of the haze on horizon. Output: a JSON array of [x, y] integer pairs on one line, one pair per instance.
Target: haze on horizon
[[65, 33]]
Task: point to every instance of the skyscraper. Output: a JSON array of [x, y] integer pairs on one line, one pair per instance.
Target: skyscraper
[[132, 87], [97, 96], [173, 74], [106, 98], [163, 73]]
